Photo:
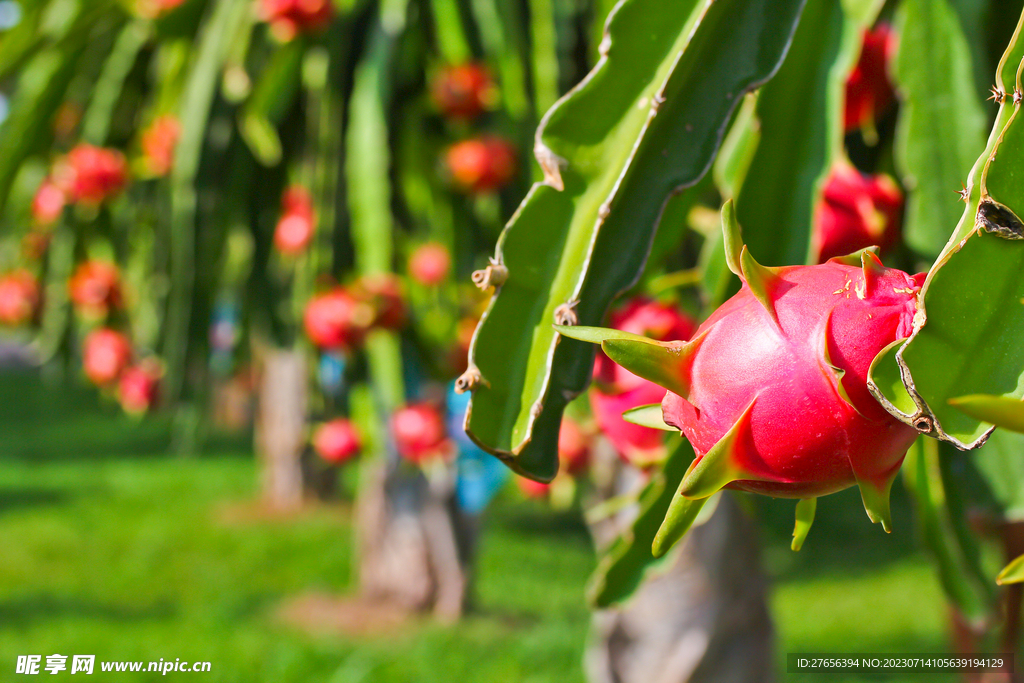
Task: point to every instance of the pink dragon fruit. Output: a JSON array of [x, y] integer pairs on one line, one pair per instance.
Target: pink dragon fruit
[[869, 92], [617, 390], [337, 441], [573, 447], [772, 390]]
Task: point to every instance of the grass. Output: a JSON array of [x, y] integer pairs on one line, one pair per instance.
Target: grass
[[111, 547]]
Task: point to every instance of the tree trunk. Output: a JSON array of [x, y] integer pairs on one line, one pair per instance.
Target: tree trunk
[[702, 619], [414, 545], [281, 426]]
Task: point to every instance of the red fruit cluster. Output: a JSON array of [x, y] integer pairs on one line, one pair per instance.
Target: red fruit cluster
[[106, 354], [19, 297], [337, 441], [91, 175], [158, 143], [856, 211], [463, 91], [294, 229], [617, 390], [289, 18], [429, 264], [419, 433], [95, 288], [869, 92], [139, 387], [482, 164]]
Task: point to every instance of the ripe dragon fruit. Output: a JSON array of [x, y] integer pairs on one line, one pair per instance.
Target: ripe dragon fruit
[[463, 91], [139, 387], [92, 175], [105, 355], [869, 92], [337, 320], [294, 229], [856, 211], [429, 264], [337, 441], [158, 142], [772, 390], [617, 390], [48, 203], [289, 18], [95, 288], [420, 434], [573, 447], [19, 297], [482, 164]]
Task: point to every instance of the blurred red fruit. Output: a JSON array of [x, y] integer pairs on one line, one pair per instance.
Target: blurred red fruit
[[419, 433], [92, 175], [48, 203], [105, 355], [573, 447], [19, 297], [383, 293], [158, 142], [294, 230], [464, 91], [288, 18], [95, 288], [533, 489], [429, 264], [869, 92], [152, 9], [617, 390], [482, 164], [856, 211], [139, 386], [337, 320], [337, 441]]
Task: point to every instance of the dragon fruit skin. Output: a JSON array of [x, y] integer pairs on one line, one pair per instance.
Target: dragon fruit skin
[[783, 385]]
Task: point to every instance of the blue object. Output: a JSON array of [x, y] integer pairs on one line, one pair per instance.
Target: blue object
[[332, 373], [480, 475]]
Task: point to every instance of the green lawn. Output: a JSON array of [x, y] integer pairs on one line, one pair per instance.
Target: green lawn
[[111, 547]]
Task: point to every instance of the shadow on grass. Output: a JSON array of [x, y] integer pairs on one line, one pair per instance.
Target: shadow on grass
[[45, 606], [25, 497], [46, 422]]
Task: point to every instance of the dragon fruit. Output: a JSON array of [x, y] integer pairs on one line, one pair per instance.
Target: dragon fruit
[[158, 142], [95, 288], [337, 441], [463, 91], [295, 227], [105, 355], [617, 390], [139, 387], [337, 320], [772, 390], [856, 211], [482, 164], [19, 297], [420, 433], [869, 92]]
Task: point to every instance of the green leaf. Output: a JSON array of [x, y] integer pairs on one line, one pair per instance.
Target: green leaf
[[107, 90], [621, 569], [969, 340], [941, 124], [801, 123], [942, 525], [1012, 573], [194, 113], [1000, 464], [645, 123], [648, 416], [273, 95], [1000, 411]]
